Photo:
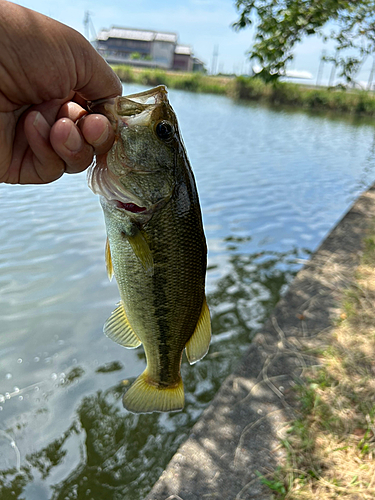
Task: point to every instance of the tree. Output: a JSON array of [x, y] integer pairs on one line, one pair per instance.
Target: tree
[[281, 24]]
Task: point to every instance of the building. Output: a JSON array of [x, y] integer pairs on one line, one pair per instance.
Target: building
[[145, 48], [183, 58]]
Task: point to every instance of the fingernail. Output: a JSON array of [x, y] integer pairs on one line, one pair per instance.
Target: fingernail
[[74, 141], [41, 125], [103, 137]]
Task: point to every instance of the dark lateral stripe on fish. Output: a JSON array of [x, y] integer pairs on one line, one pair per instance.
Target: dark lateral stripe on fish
[[160, 301]]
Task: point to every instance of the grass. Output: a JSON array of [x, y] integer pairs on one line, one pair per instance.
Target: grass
[[194, 82], [331, 446], [358, 102], [253, 89]]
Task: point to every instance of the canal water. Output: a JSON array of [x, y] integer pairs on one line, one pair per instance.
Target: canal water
[[272, 183]]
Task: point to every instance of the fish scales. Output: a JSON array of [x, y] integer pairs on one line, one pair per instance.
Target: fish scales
[[173, 295], [157, 250]]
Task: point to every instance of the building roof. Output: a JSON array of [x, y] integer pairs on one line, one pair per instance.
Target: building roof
[[166, 37], [183, 50], [136, 34]]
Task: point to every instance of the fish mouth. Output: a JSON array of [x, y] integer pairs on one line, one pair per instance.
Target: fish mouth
[[103, 182], [129, 111], [130, 105]]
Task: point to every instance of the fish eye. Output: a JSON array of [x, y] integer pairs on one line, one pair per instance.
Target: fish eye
[[164, 130]]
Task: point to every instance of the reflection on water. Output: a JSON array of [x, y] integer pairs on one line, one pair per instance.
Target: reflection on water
[[119, 455], [247, 294], [271, 185], [367, 176]]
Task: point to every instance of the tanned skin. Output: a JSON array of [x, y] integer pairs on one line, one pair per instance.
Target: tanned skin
[[48, 72]]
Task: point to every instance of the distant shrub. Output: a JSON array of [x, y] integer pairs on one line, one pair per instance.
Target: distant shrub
[[135, 56], [316, 99], [366, 103], [214, 86], [125, 73], [153, 77], [191, 81], [341, 100], [285, 93], [252, 88]]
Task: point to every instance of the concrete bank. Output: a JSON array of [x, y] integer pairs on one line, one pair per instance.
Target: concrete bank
[[239, 433]]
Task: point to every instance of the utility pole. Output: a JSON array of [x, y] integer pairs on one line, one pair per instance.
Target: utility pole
[[333, 71], [320, 69], [215, 56], [371, 74], [87, 23]]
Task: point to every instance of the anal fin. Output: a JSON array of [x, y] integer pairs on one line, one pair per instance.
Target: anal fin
[[118, 329], [197, 346], [144, 396]]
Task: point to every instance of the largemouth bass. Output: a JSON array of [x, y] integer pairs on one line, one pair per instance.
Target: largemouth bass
[[156, 246]]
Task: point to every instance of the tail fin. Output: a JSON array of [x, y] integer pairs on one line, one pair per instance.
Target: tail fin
[[144, 397]]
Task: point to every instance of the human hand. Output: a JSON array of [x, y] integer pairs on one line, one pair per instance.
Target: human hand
[[47, 73]]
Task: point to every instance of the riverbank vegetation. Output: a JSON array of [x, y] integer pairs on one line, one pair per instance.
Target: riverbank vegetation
[[331, 446], [195, 82], [356, 102], [291, 94]]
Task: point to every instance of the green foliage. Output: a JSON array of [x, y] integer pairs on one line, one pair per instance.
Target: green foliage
[[275, 484], [246, 88], [280, 25], [153, 77], [369, 252], [135, 55], [355, 102], [285, 93], [191, 81], [125, 73]]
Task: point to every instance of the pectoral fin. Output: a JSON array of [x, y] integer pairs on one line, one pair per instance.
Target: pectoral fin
[[118, 329], [142, 251], [198, 344], [108, 260]]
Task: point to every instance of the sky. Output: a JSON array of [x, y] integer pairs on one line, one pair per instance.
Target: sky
[[202, 24]]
